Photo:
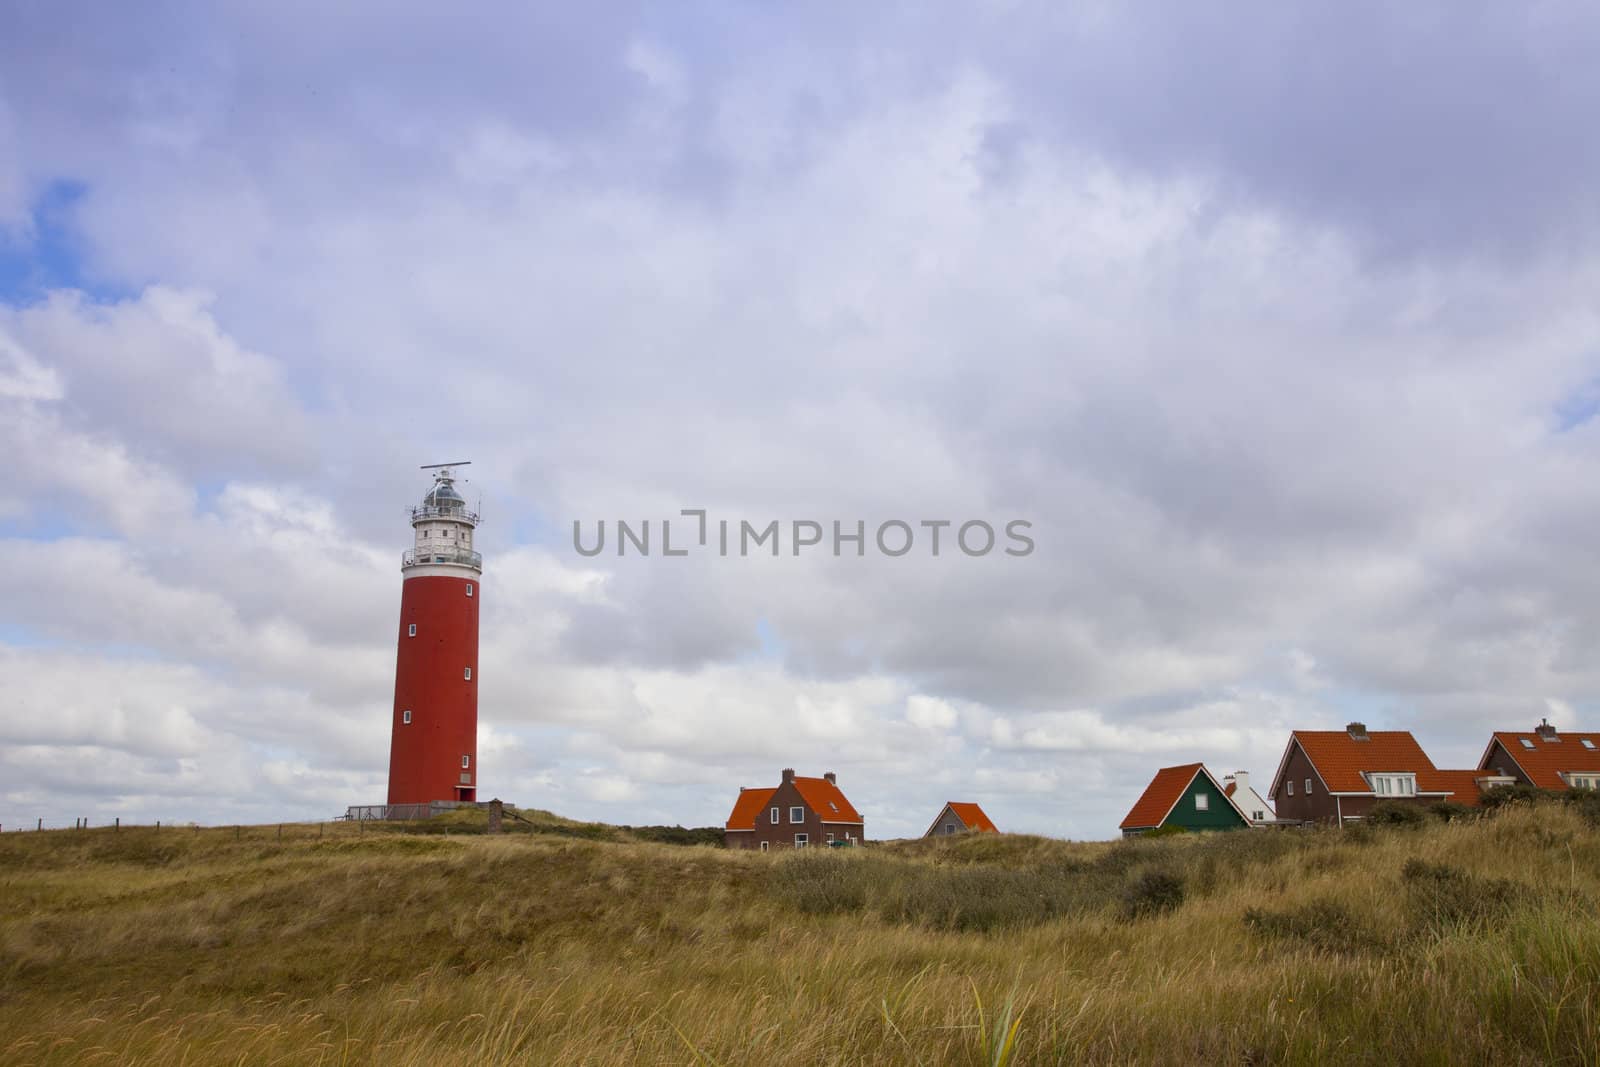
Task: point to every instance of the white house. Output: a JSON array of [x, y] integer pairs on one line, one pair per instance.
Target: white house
[[1256, 809]]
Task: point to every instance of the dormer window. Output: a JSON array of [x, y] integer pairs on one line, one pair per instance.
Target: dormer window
[[1394, 785]]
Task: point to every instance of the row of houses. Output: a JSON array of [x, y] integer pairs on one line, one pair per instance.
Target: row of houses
[[802, 812], [1336, 776]]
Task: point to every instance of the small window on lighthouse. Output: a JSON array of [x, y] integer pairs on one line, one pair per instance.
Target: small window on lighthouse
[[412, 630], [469, 588], [468, 674], [466, 762], [405, 717]]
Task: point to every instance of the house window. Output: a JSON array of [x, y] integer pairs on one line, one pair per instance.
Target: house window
[[1259, 817], [797, 814], [412, 630], [763, 846], [468, 674], [469, 588], [405, 717], [828, 836], [774, 816], [466, 762], [800, 840], [949, 827], [1584, 781], [1394, 785], [1202, 802], [1308, 787], [1525, 742], [1290, 784], [1587, 743]]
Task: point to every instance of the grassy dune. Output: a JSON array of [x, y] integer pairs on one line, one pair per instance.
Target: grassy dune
[[1451, 943]]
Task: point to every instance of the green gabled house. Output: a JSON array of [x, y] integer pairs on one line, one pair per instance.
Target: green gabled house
[[1186, 796]]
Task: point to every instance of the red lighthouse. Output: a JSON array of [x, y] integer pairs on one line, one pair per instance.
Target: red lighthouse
[[433, 747]]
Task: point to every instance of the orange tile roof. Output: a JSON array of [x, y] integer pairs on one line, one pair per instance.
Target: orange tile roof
[[973, 817], [1160, 795], [1547, 761], [1340, 761], [1228, 789], [1463, 784], [824, 798], [747, 807], [1340, 758]]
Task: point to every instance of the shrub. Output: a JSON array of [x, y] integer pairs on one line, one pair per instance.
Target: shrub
[[1507, 795], [983, 898], [1440, 896], [1322, 925], [1152, 893], [1585, 801], [1165, 831], [1396, 813], [822, 884], [1450, 811]]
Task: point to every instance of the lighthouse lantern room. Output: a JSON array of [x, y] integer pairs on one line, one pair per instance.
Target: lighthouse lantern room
[[433, 746]]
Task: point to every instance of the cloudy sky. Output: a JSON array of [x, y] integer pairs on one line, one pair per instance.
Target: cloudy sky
[[1282, 329]]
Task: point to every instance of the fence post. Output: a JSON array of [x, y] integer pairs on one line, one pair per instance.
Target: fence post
[[117, 826], [236, 833], [280, 831], [40, 826]]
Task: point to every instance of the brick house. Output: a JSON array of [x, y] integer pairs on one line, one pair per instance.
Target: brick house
[[797, 813], [958, 817], [1186, 796], [1543, 758], [1337, 775]]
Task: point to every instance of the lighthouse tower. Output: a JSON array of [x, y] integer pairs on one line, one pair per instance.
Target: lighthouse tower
[[433, 746]]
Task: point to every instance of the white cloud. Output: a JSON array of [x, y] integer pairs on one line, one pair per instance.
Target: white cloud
[[1277, 479]]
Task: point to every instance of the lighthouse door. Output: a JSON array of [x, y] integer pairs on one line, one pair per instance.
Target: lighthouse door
[[465, 794]]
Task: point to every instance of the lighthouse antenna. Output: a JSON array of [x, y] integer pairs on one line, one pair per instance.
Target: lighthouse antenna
[[432, 466]]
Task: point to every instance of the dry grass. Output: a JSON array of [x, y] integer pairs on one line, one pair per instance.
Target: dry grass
[[192, 947]]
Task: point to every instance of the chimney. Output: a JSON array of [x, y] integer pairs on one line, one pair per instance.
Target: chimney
[[1545, 730], [833, 779], [1241, 782], [1358, 731], [788, 774]]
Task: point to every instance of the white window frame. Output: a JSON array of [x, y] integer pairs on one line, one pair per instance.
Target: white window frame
[[1202, 802], [466, 763], [1308, 787], [1394, 784], [793, 809], [801, 840], [1586, 743], [1289, 782], [1583, 781], [776, 813], [468, 674], [1525, 742], [412, 630], [405, 717], [469, 588], [763, 846]]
